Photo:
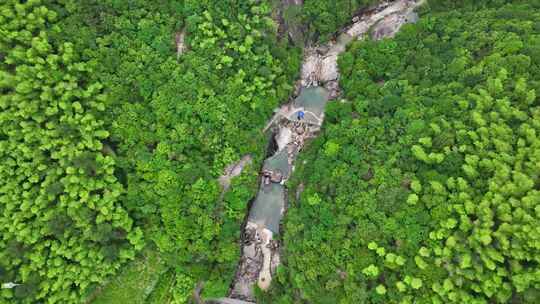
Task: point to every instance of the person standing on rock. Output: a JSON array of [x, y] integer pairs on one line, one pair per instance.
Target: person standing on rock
[[300, 115]]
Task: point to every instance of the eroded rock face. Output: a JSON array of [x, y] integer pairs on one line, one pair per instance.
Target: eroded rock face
[[258, 262], [234, 170], [180, 38], [389, 26], [320, 65], [283, 138], [383, 10]]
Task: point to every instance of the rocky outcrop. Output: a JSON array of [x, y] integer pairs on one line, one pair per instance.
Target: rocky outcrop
[[388, 27], [233, 171], [180, 43]]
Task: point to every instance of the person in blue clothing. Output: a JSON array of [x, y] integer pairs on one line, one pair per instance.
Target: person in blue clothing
[[300, 115]]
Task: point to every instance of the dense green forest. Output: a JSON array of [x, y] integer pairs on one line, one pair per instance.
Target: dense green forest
[[110, 139], [324, 18], [62, 222], [424, 186]]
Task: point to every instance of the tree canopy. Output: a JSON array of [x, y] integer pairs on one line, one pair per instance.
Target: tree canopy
[[423, 186], [117, 119], [110, 139]]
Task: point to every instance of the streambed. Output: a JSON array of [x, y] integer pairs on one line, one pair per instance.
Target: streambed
[[292, 125]]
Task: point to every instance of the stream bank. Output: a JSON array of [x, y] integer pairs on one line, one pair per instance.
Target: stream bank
[[292, 125]]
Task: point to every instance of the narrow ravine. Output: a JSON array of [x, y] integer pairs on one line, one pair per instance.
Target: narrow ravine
[[292, 125]]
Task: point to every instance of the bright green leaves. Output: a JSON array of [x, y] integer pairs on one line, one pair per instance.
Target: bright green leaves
[[484, 237], [394, 261], [425, 252], [331, 149], [509, 44], [227, 60], [416, 186], [390, 260], [183, 285], [416, 283], [420, 262], [412, 199], [380, 289], [431, 158], [176, 122], [314, 200], [102, 134], [371, 271], [379, 250], [136, 238], [426, 142], [449, 223], [57, 186], [454, 120], [401, 287], [465, 261]]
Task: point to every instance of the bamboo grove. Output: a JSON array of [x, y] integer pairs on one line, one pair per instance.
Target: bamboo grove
[[117, 118], [425, 185], [110, 141]]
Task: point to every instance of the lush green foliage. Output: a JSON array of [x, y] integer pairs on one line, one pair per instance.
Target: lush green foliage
[[319, 20], [424, 186], [135, 282], [445, 5], [323, 18], [104, 126], [199, 115], [62, 225]]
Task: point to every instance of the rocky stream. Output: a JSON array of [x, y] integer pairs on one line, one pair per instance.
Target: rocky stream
[[292, 125]]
